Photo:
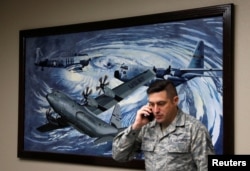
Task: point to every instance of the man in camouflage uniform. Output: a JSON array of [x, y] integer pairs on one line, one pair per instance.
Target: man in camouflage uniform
[[172, 141]]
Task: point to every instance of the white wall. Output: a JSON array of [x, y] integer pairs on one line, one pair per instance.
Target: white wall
[[17, 15]]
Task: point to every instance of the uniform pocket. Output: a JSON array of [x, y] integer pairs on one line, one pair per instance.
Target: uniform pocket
[[148, 145], [178, 143], [178, 147]]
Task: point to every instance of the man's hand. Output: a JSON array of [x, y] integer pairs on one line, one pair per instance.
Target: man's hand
[[142, 117]]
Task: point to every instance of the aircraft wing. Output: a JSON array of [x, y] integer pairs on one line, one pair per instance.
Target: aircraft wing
[[121, 91], [185, 77], [50, 127], [188, 76], [198, 69]]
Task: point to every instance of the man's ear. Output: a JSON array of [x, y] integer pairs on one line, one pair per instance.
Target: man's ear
[[176, 99]]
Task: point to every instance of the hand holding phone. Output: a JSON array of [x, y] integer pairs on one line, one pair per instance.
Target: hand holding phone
[[143, 116], [150, 117]]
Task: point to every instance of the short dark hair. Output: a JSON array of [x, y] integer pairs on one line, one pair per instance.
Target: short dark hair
[[160, 85]]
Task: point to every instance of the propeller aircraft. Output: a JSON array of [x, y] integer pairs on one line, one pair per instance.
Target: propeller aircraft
[[84, 117], [72, 62], [177, 75]]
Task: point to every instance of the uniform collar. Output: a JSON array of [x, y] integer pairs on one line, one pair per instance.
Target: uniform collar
[[179, 120]]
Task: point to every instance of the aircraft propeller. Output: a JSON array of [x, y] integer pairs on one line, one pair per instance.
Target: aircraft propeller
[[168, 70], [161, 72], [86, 94], [103, 83]]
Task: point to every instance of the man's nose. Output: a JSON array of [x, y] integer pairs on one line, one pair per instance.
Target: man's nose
[[155, 109]]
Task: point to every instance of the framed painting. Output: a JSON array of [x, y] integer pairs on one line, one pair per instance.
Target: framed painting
[[81, 84]]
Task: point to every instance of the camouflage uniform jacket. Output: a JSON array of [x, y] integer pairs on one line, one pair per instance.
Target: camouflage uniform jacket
[[184, 145]]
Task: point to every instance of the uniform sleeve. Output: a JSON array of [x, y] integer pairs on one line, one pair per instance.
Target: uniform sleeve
[[125, 145], [201, 148]]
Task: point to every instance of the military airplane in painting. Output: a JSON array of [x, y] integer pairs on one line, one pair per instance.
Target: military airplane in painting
[[194, 69], [83, 117], [72, 62], [177, 75]]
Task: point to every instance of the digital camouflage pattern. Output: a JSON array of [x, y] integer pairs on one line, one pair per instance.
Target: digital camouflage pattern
[[184, 145]]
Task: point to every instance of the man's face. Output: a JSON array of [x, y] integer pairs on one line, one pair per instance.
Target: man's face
[[163, 108]]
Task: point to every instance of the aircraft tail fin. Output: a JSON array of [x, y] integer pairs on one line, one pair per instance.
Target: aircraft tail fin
[[116, 116], [198, 56]]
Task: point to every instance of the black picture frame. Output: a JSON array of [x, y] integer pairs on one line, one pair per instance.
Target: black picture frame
[[226, 14]]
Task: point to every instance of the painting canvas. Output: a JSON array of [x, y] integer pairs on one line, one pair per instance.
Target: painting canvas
[[81, 88]]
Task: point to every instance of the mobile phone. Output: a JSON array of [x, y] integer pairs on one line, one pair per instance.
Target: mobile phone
[[150, 116]]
